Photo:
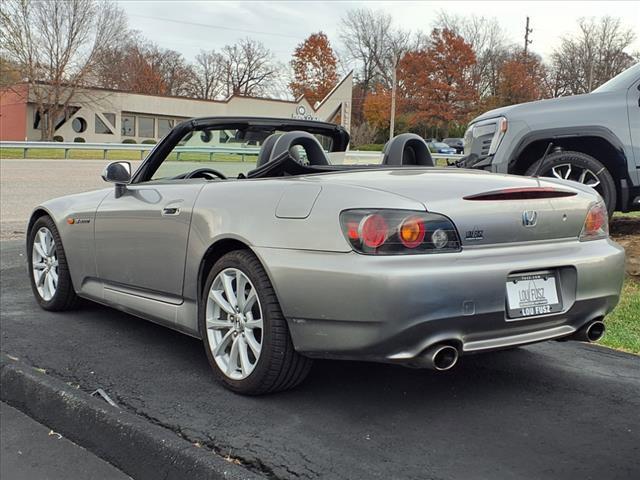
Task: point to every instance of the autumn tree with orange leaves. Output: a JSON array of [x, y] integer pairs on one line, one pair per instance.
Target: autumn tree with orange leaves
[[437, 82], [314, 68], [521, 79]]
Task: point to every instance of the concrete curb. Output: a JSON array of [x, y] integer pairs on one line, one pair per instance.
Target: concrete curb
[[138, 448]]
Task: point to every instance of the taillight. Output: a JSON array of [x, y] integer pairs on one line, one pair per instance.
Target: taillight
[[396, 232], [596, 223]]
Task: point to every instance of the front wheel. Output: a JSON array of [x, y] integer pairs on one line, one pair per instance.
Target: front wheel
[[245, 334], [582, 168], [48, 269]]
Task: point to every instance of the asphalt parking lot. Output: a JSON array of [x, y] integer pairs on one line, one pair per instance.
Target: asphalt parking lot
[[555, 410]]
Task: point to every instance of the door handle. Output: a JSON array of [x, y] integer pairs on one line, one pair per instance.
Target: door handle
[[171, 211]]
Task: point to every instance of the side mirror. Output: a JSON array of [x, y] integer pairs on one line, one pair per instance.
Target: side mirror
[[117, 172]]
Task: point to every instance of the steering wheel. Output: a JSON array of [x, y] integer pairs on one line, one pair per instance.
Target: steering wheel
[[209, 173]]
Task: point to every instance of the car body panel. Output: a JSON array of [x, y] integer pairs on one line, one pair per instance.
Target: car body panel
[[138, 243]]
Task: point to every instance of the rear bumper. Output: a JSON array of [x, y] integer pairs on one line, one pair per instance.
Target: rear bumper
[[346, 305]]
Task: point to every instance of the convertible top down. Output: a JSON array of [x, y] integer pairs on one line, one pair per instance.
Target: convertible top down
[[305, 256]]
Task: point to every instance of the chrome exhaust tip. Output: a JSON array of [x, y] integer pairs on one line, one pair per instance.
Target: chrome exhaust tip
[[440, 357], [591, 332], [595, 331]]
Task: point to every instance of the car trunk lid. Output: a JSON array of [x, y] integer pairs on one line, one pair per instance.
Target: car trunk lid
[[487, 208]]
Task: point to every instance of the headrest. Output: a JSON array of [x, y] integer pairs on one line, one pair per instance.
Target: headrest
[[310, 144], [407, 149], [266, 148]]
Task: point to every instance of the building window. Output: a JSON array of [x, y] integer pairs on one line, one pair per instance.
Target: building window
[[111, 118], [164, 126], [128, 128], [101, 127], [79, 124], [146, 127]]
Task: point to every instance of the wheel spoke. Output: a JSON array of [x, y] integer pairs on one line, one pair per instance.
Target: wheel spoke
[[253, 343], [223, 343], [216, 296], [245, 364], [41, 278], [241, 283], [219, 324], [50, 283], [39, 266], [39, 250], [227, 283], [253, 323], [54, 275], [232, 366], [51, 245], [251, 300]]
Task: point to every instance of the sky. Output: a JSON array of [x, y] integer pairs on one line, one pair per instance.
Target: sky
[[191, 26]]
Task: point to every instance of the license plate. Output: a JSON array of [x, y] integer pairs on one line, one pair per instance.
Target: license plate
[[533, 294]]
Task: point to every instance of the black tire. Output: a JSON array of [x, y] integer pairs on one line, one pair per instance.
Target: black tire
[[279, 367], [582, 161], [65, 297]]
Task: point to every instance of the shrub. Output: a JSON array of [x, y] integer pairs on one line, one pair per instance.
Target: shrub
[[129, 141], [58, 138], [148, 142], [79, 140]]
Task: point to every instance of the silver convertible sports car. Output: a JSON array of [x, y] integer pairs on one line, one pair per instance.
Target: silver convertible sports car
[[305, 256]]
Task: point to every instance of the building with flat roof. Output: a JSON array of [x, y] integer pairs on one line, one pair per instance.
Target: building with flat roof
[[111, 116]]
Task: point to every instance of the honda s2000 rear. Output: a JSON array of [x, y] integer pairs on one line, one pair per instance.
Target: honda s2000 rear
[[298, 259]]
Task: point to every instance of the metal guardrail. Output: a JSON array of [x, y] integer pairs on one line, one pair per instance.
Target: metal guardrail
[[358, 156], [128, 147]]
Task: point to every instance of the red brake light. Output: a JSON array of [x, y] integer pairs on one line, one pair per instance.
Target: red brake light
[[373, 230], [524, 193]]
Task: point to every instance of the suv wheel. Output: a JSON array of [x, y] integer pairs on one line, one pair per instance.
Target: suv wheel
[[582, 168]]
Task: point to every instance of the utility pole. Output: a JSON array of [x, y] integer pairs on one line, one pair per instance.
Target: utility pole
[[393, 97], [527, 42]]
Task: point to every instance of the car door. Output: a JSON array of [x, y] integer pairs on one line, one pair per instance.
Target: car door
[[141, 236]]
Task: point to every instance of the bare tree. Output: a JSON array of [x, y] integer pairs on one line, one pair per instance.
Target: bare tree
[[208, 76], [248, 67], [597, 53], [364, 34], [489, 43], [137, 65], [55, 46]]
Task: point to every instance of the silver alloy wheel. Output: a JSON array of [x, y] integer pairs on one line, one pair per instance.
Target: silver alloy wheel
[[234, 323], [567, 171], [44, 262]]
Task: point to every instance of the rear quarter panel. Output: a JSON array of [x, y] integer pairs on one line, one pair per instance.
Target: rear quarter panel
[[246, 211]]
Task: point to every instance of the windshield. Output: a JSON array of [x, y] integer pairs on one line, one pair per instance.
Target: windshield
[[621, 81], [440, 145]]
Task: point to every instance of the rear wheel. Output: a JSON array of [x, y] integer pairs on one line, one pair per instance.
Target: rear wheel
[[48, 269], [582, 168], [245, 334]]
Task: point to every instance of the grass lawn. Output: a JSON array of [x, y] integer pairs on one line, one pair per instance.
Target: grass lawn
[[623, 324], [79, 154], [635, 214]]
